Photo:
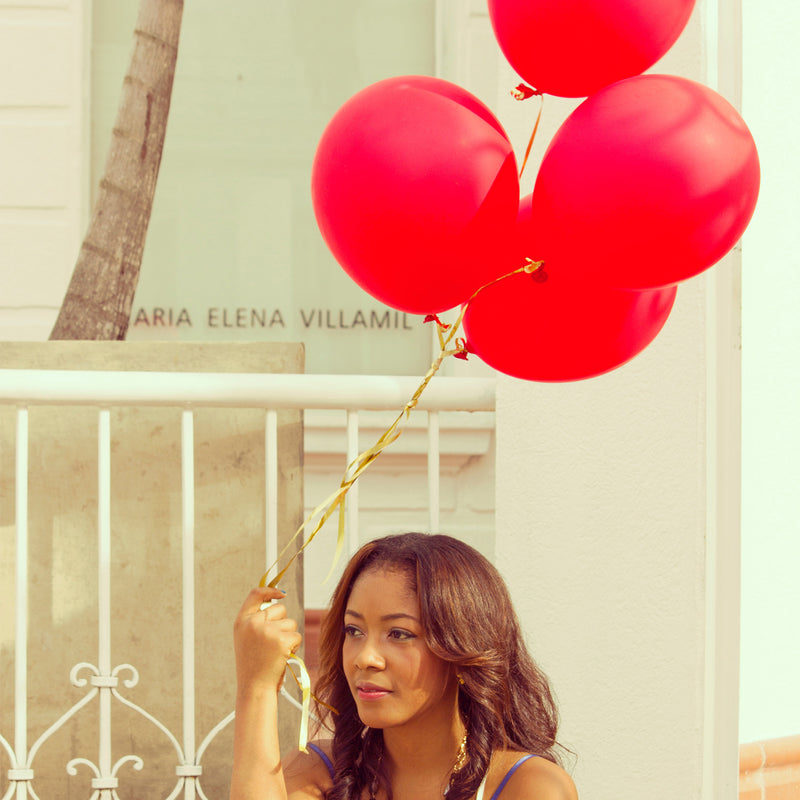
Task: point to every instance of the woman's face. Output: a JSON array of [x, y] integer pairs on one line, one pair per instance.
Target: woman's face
[[392, 674]]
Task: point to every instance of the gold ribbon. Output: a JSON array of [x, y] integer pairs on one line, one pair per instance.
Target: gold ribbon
[[354, 470], [447, 335], [357, 467], [523, 92]]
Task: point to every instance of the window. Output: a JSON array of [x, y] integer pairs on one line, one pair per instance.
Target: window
[[233, 252]]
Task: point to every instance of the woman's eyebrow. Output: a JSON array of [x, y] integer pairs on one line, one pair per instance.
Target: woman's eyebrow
[[385, 618]]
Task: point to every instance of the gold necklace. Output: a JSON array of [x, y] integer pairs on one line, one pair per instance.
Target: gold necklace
[[461, 759]]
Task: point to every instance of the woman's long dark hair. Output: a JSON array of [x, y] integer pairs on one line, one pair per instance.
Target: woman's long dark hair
[[505, 700]]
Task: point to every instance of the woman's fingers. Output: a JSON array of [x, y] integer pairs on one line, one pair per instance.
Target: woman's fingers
[[290, 638], [275, 612], [295, 641], [258, 597], [261, 599], [264, 638]]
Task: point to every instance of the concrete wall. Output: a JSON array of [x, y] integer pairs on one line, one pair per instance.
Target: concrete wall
[[145, 557]]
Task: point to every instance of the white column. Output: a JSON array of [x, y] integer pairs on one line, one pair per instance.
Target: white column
[[724, 447], [271, 477], [187, 472]]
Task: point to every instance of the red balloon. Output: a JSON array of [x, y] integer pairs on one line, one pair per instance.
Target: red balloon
[[647, 183], [572, 48], [550, 327], [413, 183]]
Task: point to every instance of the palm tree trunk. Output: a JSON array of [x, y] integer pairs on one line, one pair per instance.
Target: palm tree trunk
[[98, 301]]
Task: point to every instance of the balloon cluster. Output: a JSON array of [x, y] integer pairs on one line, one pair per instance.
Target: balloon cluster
[[649, 181]]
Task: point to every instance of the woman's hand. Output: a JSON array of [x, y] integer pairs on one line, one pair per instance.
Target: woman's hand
[[263, 641]]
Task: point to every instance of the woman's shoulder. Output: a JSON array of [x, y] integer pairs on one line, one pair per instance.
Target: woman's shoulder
[[512, 778], [308, 774]]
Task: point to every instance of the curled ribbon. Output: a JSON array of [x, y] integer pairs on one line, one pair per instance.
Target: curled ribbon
[[304, 682], [336, 500], [535, 127]]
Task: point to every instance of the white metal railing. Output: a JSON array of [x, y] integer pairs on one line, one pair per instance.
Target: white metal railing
[[188, 391]]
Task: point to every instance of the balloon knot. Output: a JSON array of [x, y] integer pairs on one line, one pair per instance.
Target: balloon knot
[[435, 318], [523, 92], [535, 269], [532, 266], [462, 349]]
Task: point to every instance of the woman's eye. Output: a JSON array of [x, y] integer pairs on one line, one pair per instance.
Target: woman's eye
[[401, 635], [351, 630]]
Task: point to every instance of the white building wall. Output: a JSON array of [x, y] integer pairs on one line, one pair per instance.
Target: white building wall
[[42, 168], [618, 525]]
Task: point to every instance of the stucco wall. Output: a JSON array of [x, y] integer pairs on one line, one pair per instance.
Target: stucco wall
[[617, 529], [601, 513]]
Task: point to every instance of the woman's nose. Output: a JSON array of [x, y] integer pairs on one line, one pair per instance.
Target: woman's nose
[[369, 657]]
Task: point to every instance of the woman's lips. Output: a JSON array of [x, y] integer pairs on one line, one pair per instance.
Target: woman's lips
[[367, 691]]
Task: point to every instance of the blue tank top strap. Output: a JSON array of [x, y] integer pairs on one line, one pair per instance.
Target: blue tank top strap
[[323, 755], [508, 774]]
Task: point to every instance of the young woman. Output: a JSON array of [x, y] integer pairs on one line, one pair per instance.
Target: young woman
[[422, 657]]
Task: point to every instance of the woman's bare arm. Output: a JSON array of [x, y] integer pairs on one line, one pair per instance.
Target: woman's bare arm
[[263, 640]]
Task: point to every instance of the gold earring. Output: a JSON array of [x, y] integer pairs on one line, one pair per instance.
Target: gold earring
[[460, 678]]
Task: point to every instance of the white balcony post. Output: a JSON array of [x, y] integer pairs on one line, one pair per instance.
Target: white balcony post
[[187, 494], [271, 479], [21, 652], [104, 593]]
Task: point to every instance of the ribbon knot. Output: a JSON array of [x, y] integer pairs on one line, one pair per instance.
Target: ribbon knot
[[435, 318], [532, 266], [523, 92]]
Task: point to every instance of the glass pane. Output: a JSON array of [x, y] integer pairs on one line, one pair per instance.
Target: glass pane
[[233, 251]]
